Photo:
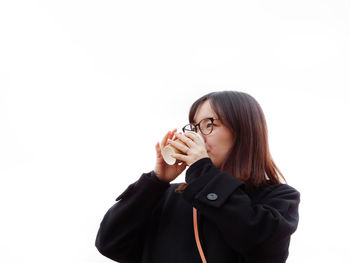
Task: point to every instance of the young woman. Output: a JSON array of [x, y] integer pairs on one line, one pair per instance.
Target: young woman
[[232, 208]]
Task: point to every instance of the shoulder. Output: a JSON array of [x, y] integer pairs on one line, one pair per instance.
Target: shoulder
[[282, 188], [277, 192]]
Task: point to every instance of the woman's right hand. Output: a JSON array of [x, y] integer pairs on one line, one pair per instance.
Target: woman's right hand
[[164, 171]]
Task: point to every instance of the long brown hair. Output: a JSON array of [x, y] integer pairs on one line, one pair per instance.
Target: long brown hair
[[250, 159]]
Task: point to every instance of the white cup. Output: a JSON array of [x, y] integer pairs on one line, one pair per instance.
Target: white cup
[[168, 150]]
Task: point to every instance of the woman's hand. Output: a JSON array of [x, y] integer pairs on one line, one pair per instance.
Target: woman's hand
[[164, 171], [194, 149]]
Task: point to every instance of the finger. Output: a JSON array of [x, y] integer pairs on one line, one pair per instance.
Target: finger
[[194, 137], [179, 157], [185, 139], [173, 134], [165, 139], [181, 147]]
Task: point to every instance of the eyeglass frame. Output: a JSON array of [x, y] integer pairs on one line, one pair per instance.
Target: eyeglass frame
[[199, 127]]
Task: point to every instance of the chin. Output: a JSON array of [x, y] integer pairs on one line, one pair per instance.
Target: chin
[[214, 162]]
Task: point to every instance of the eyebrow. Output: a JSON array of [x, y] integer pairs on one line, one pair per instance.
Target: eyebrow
[[205, 118]]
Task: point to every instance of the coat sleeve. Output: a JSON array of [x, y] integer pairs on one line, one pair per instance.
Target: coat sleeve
[[244, 224], [121, 233]]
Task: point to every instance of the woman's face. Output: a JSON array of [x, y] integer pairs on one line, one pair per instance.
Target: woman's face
[[220, 141]]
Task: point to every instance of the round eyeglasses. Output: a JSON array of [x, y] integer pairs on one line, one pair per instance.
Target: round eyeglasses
[[205, 126]]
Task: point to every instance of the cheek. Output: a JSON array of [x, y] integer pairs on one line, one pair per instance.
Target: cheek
[[216, 148], [219, 146], [224, 145]]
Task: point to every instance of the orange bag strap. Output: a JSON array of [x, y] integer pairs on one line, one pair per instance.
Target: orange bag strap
[[195, 226]]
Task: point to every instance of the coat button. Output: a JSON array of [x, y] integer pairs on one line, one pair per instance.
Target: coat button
[[212, 196]]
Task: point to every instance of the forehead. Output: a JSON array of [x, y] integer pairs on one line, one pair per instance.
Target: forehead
[[204, 111]]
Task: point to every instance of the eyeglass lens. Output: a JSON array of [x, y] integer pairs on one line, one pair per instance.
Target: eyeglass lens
[[206, 126]]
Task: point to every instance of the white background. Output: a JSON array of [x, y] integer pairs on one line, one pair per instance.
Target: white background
[[88, 87]]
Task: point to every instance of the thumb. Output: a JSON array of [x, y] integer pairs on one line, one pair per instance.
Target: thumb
[[158, 150]]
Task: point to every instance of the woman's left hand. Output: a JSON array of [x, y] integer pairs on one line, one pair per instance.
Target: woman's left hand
[[194, 149]]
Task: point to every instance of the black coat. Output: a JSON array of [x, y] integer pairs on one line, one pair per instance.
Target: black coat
[[151, 223]]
